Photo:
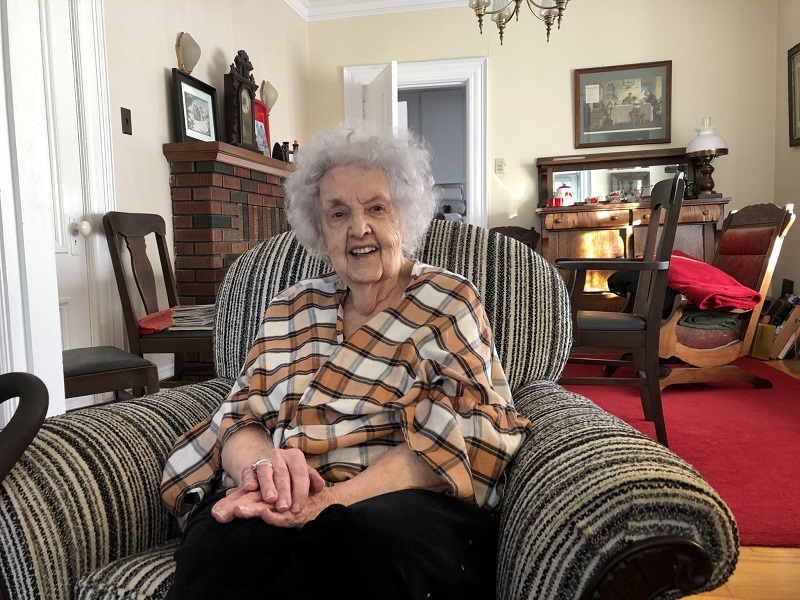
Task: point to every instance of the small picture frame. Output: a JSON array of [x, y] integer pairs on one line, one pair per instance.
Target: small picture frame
[[794, 95], [194, 110], [262, 127], [623, 105]]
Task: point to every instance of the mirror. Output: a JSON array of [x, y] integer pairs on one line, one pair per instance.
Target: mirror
[[611, 178]]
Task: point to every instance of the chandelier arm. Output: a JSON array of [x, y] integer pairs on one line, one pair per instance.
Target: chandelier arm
[[499, 10]]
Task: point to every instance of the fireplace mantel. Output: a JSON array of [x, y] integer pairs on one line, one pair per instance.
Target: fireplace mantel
[[225, 153]]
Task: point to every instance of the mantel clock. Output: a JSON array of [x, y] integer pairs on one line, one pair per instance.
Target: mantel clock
[[240, 93]]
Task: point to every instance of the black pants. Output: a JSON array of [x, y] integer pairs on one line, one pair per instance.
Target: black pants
[[404, 545]]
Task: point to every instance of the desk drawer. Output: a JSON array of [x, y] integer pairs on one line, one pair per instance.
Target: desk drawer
[[587, 220], [707, 213]]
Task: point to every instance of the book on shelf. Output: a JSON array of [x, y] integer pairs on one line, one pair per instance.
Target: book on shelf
[[787, 332], [193, 317], [790, 344]]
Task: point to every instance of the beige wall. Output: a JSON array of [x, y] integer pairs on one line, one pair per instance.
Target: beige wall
[[717, 72], [141, 53], [787, 159]]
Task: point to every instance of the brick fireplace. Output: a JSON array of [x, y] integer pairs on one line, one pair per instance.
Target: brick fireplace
[[225, 200]]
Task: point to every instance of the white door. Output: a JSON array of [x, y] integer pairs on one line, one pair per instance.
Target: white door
[[373, 100], [67, 170]]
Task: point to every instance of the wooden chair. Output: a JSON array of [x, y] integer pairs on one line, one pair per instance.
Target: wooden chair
[[748, 249], [102, 369], [134, 229], [633, 334], [28, 417]]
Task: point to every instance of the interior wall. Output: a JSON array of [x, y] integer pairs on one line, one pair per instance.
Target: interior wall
[[530, 81], [141, 54], [787, 158]]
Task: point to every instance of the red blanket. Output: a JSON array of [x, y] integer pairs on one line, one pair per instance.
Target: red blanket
[[707, 286]]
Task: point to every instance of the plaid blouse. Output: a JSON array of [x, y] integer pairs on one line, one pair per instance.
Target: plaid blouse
[[424, 371]]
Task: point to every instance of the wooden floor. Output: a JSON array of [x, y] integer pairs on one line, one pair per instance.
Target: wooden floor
[[765, 573]]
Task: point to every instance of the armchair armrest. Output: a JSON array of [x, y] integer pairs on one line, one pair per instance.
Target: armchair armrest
[[613, 264], [586, 489], [85, 492]]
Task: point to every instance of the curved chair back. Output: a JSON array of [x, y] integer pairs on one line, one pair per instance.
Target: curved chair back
[[30, 413], [524, 296]]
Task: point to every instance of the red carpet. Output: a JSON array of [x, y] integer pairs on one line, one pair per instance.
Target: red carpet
[[744, 441]]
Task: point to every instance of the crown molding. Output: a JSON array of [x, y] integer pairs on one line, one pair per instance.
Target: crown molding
[[322, 10]]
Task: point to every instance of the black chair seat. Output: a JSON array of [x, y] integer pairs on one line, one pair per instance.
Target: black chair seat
[[597, 320], [102, 369], [100, 359]]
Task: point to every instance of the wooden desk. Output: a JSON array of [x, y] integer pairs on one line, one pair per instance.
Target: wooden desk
[[618, 230]]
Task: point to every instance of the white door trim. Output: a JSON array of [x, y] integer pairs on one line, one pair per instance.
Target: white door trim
[[471, 72], [29, 313]]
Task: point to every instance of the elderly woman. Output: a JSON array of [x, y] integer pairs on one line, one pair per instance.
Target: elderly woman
[[362, 449]]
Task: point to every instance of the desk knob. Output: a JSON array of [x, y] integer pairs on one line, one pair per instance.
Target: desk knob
[[705, 213], [556, 220], [614, 217]]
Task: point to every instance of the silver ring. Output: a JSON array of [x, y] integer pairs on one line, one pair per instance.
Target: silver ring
[[260, 462]]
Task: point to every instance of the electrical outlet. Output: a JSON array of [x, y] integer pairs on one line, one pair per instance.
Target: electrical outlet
[[127, 125], [499, 166]]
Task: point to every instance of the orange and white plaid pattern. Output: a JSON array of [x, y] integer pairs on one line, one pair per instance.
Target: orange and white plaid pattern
[[424, 371]]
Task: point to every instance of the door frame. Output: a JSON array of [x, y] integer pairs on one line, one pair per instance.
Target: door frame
[[469, 72], [29, 311]]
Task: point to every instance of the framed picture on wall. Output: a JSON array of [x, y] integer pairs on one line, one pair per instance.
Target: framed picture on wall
[[623, 105], [194, 109], [794, 96]]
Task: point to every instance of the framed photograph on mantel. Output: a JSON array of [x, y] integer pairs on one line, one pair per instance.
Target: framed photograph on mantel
[[623, 105], [794, 96], [194, 109]]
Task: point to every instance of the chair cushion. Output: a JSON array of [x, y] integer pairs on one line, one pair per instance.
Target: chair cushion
[[144, 576], [598, 320], [99, 359], [743, 252], [704, 339]]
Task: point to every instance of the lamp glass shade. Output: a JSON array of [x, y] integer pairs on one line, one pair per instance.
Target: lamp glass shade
[[269, 95], [706, 140], [188, 52]]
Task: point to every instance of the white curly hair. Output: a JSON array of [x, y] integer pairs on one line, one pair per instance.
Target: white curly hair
[[403, 157]]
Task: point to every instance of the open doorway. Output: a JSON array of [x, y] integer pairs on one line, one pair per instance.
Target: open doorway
[[469, 73], [438, 115]]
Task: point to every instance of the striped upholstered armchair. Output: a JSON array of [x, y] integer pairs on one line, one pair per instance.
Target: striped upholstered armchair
[[593, 509]]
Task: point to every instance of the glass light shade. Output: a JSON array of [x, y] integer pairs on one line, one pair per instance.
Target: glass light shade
[[706, 140], [188, 52], [269, 95]]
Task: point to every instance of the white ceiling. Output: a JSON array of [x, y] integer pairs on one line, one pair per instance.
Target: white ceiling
[[320, 10]]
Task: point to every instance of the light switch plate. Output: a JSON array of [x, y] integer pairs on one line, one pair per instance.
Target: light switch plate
[[499, 166], [127, 125]]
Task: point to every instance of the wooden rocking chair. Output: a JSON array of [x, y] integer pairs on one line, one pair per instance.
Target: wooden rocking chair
[[748, 249]]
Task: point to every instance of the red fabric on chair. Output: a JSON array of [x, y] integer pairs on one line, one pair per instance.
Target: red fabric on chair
[[707, 286], [157, 321]]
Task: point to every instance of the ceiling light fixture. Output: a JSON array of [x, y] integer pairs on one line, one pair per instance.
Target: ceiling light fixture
[[549, 11]]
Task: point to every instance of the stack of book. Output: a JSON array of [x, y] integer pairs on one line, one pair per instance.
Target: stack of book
[[784, 314], [197, 316]]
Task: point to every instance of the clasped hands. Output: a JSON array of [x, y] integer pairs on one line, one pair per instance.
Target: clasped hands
[[283, 491]]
